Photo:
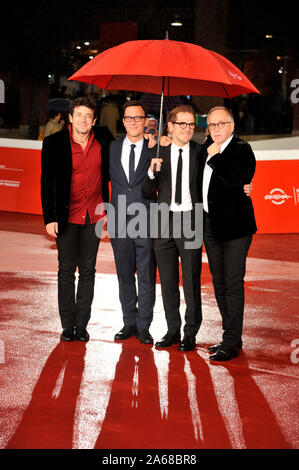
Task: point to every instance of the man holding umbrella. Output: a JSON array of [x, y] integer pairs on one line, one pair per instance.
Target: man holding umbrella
[[176, 183]]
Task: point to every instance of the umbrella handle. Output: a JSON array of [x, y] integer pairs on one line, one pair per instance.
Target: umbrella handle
[[160, 123]]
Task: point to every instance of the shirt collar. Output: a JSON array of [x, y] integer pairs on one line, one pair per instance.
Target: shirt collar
[[138, 144], [225, 144], [176, 147]]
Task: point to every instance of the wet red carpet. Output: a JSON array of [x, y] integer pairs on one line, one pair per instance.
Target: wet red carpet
[[107, 395]]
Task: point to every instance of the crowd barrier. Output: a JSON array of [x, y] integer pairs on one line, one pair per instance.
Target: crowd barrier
[[275, 185], [275, 192]]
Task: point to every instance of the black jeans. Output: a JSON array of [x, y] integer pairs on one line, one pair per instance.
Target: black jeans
[[77, 248], [227, 263]]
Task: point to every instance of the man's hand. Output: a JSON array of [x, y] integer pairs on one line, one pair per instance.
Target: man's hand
[[247, 189], [165, 141], [213, 149], [52, 229], [151, 140], [157, 162]]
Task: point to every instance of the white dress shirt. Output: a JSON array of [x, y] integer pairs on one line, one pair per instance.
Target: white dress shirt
[[207, 173], [125, 154], [186, 204]]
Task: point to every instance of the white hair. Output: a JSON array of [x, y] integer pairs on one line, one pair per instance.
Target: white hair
[[222, 108]]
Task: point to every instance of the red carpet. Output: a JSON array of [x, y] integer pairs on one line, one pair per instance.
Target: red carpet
[[107, 395]]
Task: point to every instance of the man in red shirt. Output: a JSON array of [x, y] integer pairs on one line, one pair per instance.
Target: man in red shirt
[[74, 185]]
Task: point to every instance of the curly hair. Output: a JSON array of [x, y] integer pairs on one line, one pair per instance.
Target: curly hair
[[83, 101]]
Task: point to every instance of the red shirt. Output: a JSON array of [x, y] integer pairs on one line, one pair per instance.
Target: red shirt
[[86, 183]]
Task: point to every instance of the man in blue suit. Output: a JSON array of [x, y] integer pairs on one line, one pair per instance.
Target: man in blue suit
[[133, 253]]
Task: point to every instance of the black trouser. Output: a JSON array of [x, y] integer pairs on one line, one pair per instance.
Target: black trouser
[[168, 251], [227, 262], [77, 247], [135, 256]]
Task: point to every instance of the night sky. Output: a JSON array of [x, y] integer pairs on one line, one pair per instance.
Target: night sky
[[37, 30]]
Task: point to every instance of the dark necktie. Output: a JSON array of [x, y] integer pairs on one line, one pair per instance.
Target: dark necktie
[[132, 164], [178, 185]]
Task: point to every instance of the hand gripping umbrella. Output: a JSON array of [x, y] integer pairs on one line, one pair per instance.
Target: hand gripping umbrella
[[165, 67]]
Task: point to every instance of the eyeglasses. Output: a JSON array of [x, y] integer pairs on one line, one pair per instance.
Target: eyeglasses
[[133, 118], [220, 125], [183, 125]]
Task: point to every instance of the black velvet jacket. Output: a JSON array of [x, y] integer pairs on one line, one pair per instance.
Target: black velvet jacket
[[230, 210], [56, 174]]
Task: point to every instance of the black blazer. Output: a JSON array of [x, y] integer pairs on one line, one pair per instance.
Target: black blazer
[[121, 187], [230, 210], [56, 174], [161, 184]]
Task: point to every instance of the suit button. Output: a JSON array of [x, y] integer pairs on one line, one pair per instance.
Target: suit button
[[129, 189]]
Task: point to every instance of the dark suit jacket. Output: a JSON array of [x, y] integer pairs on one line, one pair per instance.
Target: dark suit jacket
[[56, 174], [121, 187], [230, 210], [160, 187], [161, 184]]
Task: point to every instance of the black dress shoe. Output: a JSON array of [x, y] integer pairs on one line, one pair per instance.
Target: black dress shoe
[[125, 333], [82, 334], [214, 348], [67, 334], [145, 337], [224, 354], [188, 344], [168, 340]]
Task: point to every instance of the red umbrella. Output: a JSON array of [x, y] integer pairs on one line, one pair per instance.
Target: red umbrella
[[165, 67], [152, 102], [174, 67]]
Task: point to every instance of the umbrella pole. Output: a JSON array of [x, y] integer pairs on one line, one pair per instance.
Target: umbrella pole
[[161, 112], [160, 119]]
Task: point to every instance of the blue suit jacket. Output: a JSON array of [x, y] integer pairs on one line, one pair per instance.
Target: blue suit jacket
[[123, 195]]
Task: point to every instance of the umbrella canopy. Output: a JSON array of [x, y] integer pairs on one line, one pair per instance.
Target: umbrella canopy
[[174, 67], [58, 104], [152, 102]]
